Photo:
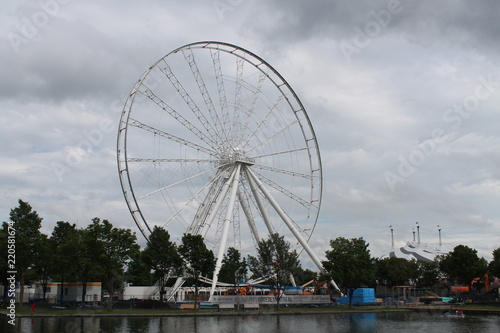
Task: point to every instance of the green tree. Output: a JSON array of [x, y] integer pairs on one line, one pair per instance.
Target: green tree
[[349, 263], [396, 271], [302, 276], [428, 273], [64, 243], [233, 267], [89, 255], [494, 265], [26, 224], [162, 256], [113, 248], [44, 262], [276, 260], [462, 265], [139, 271], [198, 260]]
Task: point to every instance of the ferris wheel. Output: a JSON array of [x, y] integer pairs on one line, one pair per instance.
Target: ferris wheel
[[213, 141]]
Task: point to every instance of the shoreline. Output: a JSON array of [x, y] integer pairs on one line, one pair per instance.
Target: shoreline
[[216, 313], [175, 313]]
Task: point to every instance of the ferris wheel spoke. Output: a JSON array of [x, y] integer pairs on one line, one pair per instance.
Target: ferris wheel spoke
[[183, 121], [250, 110], [236, 125], [177, 183], [151, 129], [221, 90], [189, 56], [262, 123], [190, 103], [283, 152], [283, 171], [271, 137], [171, 160]]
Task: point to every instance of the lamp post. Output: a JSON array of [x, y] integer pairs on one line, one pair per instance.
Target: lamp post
[[418, 233], [392, 237]]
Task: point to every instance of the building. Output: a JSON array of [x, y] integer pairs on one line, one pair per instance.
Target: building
[[416, 249], [72, 292]]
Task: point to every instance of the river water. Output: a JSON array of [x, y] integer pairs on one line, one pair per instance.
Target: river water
[[309, 323]]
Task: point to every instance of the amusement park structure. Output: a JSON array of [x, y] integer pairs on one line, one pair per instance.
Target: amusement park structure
[[416, 248], [213, 141]]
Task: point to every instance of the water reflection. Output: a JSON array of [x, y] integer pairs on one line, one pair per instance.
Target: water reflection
[[337, 322]]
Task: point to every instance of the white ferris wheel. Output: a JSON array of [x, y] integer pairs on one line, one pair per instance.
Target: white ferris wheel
[[213, 141]]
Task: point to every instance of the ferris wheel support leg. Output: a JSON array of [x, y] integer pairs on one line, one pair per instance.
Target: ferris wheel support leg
[[204, 209], [256, 195], [225, 228], [290, 225], [249, 217]]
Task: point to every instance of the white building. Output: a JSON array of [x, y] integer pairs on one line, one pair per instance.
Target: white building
[[422, 251], [417, 249], [72, 291]]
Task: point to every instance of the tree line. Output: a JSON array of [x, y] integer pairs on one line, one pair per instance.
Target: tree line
[[111, 255], [105, 253]]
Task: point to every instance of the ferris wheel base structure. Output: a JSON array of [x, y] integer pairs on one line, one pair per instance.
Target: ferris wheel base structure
[[213, 141]]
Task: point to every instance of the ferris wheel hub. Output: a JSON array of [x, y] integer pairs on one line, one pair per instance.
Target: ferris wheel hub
[[235, 156]]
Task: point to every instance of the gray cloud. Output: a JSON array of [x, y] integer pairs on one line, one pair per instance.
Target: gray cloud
[[390, 108]]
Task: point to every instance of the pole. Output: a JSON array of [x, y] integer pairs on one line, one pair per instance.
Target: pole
[[225, 229], [392, 238], [418, 234]]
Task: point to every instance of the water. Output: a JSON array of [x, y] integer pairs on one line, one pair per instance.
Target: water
[[309, 323]]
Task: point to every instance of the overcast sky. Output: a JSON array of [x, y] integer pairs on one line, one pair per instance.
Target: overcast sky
[[403, 95]]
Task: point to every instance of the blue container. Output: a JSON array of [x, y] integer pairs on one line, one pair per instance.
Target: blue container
[[359, 296]]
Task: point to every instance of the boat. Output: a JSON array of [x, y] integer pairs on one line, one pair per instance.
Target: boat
[[455, 314]]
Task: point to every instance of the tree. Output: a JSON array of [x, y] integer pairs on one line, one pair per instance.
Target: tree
[[114, 247], [4, 257], [349, 263], [64, 243], [462, 265], [233, 267], [89, 269], [428, 273], [198, 260], [26, 224], [396, 271], [302, 276], [494, 265], [44, 262], [276, 260], [162, 256], [139, 271]]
